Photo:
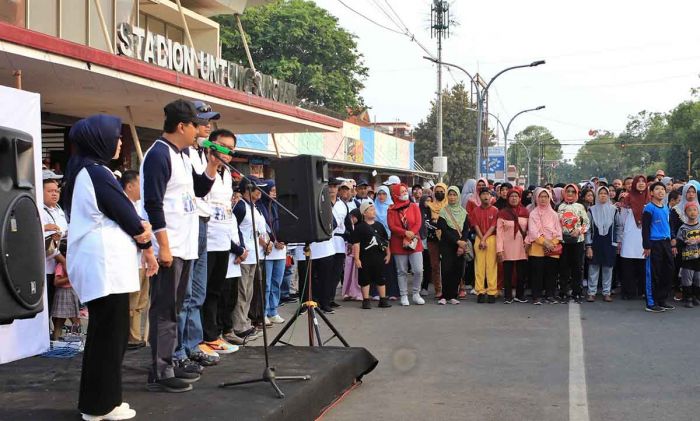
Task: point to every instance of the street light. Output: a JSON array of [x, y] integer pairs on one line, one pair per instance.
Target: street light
[[505, 159], [480, 98]]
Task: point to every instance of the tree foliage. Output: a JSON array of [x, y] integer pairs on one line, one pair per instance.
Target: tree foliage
[[539, 142], [458, 135], [301, 43]]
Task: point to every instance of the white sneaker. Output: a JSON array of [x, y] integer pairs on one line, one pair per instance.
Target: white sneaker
[[277, 319], [267, 322], [375, 298], [442, 301], [424, 292], [417, 299], [120, 412], [454, 301], [404, 300]]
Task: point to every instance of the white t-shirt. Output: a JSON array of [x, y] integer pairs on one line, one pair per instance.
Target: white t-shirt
[[340, 211], [632, 247], [222, 222], [56, 216], [247, 232], [318, 250], [199, 164]]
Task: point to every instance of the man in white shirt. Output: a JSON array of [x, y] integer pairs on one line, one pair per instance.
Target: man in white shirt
[[340, 213]]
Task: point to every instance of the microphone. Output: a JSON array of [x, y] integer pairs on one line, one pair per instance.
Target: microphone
[[207, 144]]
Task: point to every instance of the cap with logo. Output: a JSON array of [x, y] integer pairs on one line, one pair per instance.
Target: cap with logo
[[181, 111], [204, 111], [392, 180], [366, 204], [362, 182]]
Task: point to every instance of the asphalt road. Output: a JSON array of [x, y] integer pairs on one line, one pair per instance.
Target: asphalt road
[[512, 362]]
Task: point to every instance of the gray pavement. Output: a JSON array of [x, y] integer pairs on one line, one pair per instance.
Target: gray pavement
[[511, 362]]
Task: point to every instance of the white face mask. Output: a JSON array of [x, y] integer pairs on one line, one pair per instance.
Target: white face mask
[[404, 197]]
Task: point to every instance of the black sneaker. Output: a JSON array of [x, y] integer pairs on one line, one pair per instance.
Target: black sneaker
[[537, 302], [366, 304], [327, 310], [335, 305], [507, 301], [551, 300], [384, 302], [564, 299], [667, 306], [520, 300], [186, 376], [189, 366], [481, 298], [491, 299], [654, 309], [205, 360], [289, 300], [170, 385]]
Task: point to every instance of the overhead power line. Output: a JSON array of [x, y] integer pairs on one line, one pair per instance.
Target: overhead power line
[[369, 19]]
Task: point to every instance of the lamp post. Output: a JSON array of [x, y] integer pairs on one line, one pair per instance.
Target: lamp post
[[527, 152], [480, 96], [541, 107]]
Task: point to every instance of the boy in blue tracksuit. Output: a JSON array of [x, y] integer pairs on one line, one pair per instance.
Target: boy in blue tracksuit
[[656, 240]]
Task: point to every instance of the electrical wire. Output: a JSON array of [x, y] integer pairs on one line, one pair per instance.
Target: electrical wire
[[370, 20]]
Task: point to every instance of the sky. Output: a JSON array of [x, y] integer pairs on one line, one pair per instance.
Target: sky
[[606, 60]]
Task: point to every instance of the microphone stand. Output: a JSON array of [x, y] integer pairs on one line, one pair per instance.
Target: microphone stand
[[268, 375]]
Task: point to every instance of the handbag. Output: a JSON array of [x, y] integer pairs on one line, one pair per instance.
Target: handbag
[[407, 244], [468, 251], [556, 251]]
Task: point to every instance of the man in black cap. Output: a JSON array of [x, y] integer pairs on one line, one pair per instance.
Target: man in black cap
[[189, 355], [169, 186], [361, 192]]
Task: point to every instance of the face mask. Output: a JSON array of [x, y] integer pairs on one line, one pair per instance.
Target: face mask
[[403, 197], [440, 196]]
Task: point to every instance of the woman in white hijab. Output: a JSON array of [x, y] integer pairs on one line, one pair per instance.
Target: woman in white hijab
[[601, 244]]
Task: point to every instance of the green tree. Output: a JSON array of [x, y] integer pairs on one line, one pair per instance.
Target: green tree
[[301, 43], [539, 142], [458, 135]]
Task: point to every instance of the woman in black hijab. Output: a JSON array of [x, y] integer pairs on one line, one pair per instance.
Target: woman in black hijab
[[102, 260]]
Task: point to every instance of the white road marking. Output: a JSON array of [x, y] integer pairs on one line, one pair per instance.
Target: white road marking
[[578, 391]]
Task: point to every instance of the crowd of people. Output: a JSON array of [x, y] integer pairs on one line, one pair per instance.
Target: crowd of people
[[183, 241]]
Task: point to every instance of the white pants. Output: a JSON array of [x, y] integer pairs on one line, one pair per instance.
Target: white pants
[[593, 272]]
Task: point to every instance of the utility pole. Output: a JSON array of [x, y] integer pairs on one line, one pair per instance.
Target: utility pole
[[539, 167], [440, 28], [689, 155]]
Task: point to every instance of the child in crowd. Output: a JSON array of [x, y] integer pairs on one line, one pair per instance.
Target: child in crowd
[[656, 239], [66, 304], [370, 249], [483, 219], [688, 245]]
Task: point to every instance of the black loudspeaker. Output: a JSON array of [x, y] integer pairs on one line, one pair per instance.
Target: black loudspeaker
[[302, 187], [22, 253]]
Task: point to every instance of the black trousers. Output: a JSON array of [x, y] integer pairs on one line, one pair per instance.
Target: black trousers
[[107, 335], [571, 269], [452, 269], [659, 273], [320, 279], [256, 313], [542, 276], [427, 269], [337, 270], [168, 289], [520, 268], [217, 265], [633, 274], [227, 303]]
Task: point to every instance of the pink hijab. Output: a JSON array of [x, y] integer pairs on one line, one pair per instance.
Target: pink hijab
[[544, 221]]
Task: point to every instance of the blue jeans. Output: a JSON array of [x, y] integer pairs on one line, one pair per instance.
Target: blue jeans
[[286, 285], [189, 321], [274, 272]]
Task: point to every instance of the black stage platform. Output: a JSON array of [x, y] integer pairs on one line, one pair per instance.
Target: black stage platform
[[47, 388]]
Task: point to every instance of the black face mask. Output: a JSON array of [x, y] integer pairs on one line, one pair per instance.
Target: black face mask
[[440, 196]]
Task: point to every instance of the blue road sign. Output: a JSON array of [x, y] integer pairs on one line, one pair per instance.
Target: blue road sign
[[493, 164]]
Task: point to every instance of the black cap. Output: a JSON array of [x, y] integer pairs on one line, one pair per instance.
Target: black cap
[[335, 181], [181, 111], [204, 111], [257, 160], [362, 182], [251, 181]]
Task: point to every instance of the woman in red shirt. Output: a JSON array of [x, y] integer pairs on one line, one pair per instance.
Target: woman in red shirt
[[405, 220]]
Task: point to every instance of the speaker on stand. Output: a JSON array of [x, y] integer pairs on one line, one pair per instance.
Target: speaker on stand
[[22, 255]]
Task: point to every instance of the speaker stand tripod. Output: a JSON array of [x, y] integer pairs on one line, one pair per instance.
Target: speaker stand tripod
[[310, 305], [268, 375]]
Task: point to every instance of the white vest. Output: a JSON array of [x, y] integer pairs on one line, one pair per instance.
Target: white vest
[[632, 247], [340, 211], [199, 163], [181, 220], [222, 222], [102, 259], [247, 233]]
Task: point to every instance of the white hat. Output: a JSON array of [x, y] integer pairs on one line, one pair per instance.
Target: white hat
[[392, 180], [50, 175], [365, 205]]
